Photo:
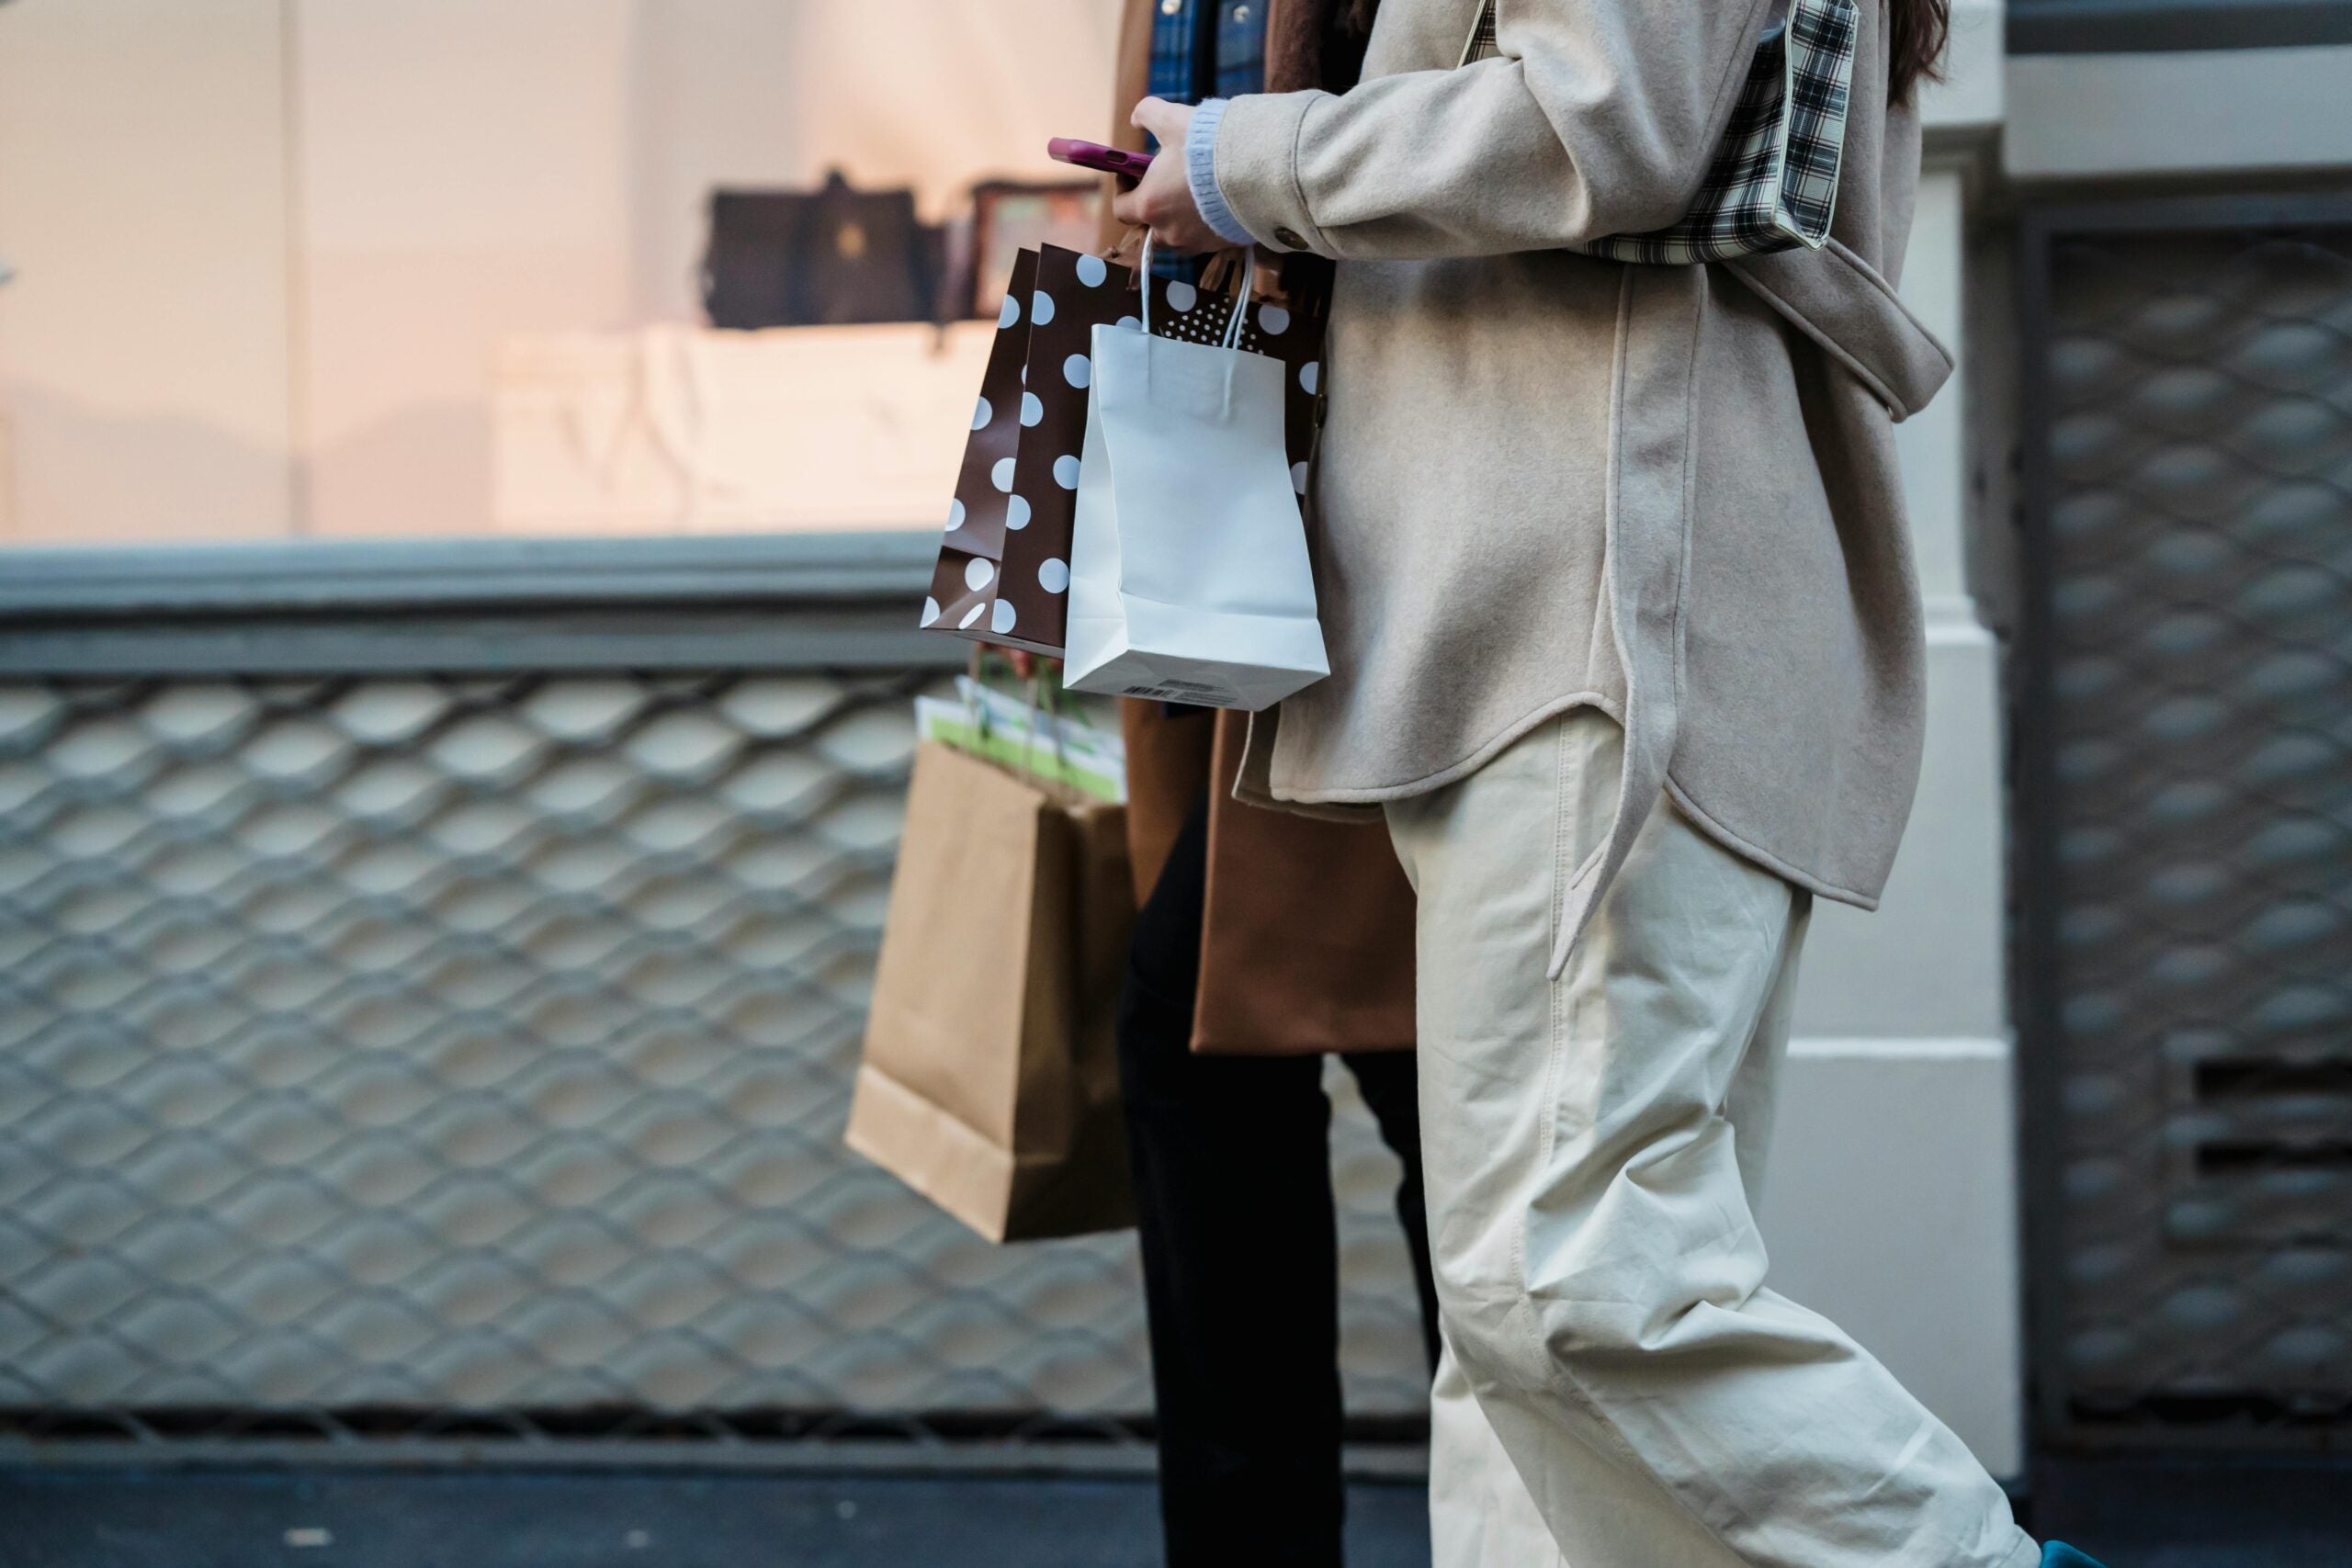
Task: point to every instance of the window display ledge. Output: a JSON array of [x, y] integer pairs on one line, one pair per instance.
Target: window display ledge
[[488, 605]]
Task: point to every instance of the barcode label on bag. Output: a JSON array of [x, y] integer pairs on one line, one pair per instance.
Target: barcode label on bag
[[1185, 691]]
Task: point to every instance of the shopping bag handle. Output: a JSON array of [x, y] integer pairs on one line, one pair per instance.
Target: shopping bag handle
[[1117, 248], [1240, 300]]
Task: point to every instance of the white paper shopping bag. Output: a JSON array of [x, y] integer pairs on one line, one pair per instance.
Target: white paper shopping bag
[[1189, 579]]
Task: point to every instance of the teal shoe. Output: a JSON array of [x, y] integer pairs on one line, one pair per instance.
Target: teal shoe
[[2058, 1554]]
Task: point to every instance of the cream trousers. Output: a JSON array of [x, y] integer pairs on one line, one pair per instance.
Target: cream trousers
[[1620, 1389]]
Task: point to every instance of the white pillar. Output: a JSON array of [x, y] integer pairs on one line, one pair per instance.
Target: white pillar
[[1892, 1202]]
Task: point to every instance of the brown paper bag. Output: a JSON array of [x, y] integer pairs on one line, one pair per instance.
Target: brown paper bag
[[990, 1080], [1273, 981]]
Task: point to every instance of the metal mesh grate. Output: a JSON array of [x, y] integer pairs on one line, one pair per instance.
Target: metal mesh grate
[[2197, 601], [469, 1056]]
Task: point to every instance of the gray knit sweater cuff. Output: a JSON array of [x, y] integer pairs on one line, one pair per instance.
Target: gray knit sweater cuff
[[1199, 168]]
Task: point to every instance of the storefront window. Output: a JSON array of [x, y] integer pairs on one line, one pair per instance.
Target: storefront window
[[305, 268]]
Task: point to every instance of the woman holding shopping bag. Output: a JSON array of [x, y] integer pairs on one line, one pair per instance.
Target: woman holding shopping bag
[[1626, 653], [1265, 942]]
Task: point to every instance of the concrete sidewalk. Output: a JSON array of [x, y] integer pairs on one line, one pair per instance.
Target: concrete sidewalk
[[115, 1518], [2142, 1513]]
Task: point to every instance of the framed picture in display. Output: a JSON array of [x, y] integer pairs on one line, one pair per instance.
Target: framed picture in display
[[1009, 218]]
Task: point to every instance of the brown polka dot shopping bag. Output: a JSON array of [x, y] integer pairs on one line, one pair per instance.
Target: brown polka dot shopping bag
[[1002, 562], [1004, 566], [963, 585]]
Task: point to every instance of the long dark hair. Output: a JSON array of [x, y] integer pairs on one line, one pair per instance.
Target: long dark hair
[[1917, 31], [1915, 34]]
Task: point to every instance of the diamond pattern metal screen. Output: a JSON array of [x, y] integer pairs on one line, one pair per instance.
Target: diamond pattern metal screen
[[2195, 745], [449, 1056]]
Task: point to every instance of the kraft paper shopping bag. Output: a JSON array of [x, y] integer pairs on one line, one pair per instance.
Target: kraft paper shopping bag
[[990, 1082], [1188, 575]]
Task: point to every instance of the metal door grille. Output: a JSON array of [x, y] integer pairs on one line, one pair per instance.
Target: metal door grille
[[467, 1057], [2188, 752]]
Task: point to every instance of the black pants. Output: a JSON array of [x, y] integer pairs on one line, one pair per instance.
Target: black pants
[[1233, 1197]]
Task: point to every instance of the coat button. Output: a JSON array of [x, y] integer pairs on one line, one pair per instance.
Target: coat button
[[1289, 241]]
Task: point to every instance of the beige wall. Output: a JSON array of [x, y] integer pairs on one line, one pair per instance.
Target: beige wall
[[143, 363], [463, 178], [269, 247]]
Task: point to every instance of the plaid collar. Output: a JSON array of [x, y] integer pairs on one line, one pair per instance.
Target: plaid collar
[[1773, 185]]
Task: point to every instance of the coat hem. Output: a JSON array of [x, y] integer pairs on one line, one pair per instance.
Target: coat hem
[[1359, 802], [1749, 850], [1486, 752]]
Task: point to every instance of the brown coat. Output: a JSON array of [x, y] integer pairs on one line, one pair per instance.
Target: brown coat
[[1307, 942]]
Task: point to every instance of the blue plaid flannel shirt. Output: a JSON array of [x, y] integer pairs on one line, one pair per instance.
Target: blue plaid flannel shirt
[[1204, 49]]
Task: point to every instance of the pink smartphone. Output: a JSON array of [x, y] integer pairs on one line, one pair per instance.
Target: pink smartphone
[[1094, 156]]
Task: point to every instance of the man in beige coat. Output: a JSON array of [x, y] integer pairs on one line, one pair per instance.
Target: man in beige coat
[[1626, 649]]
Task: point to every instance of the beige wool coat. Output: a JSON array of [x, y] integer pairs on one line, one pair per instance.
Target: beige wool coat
[[1548, 481]]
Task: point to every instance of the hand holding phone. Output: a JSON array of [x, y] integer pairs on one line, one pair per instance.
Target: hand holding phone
[[1094, 156]]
